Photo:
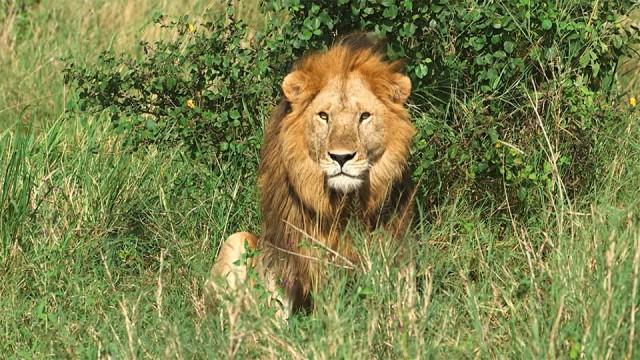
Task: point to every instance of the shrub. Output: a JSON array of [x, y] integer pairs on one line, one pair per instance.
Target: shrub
[[509, 97]]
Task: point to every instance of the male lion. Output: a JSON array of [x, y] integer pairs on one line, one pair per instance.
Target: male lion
[[335, 150]]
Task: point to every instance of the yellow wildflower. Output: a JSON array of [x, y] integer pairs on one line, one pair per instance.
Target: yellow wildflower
[[498, 144], [191, 104], [632, 101], [191, 28]]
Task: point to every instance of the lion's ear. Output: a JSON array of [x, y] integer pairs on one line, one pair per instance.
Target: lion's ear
[[294, 85], [401, 88]]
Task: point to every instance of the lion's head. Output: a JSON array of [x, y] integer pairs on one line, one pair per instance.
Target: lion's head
[[347, 123]]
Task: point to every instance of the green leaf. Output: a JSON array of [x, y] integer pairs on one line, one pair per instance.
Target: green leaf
[[421, 70], [595, 68], [171, 83], [151, 125], [509, 46], [584, 59], [305, 34], [391, 12]]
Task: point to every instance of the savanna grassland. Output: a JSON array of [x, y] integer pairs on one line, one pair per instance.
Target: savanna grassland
[[106, 242]]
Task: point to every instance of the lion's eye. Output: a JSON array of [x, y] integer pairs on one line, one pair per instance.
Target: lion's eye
[[323, 115], [364, 116]]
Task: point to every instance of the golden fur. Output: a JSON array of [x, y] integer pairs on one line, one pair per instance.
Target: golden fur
[[347, 100]]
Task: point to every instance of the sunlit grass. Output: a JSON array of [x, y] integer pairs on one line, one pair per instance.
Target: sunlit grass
[[33, 44], [105, 252]]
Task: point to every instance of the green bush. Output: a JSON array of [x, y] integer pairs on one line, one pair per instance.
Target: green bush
[[509, 97]]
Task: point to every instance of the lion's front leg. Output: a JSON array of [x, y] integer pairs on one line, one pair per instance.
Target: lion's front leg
[[231, 270], [232, 261]]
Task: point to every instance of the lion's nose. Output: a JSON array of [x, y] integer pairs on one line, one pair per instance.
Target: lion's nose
[[341, 157]]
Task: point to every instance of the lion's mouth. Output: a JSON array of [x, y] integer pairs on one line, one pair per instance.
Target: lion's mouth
[[345, 182], [342, 173]]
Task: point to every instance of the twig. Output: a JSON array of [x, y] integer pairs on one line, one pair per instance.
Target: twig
[[552, 155], [159, 290], [308, 257], [554, 329], [352, 265], [226, 220]]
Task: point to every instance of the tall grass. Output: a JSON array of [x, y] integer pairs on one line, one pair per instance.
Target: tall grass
[[33, 43], [105, 252]]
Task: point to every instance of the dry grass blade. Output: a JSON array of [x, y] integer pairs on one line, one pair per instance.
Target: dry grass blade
[[350, 265]]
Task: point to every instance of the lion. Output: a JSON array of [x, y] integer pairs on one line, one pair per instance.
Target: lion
[[335, 150]]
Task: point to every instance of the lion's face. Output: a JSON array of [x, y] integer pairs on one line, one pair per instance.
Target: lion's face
[[348, 125], [345, 130]]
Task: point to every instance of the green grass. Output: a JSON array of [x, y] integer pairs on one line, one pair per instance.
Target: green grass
[[34, 43], [105, 252]]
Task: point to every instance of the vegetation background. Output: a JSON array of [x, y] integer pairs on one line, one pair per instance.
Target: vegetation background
[[121, 171]]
